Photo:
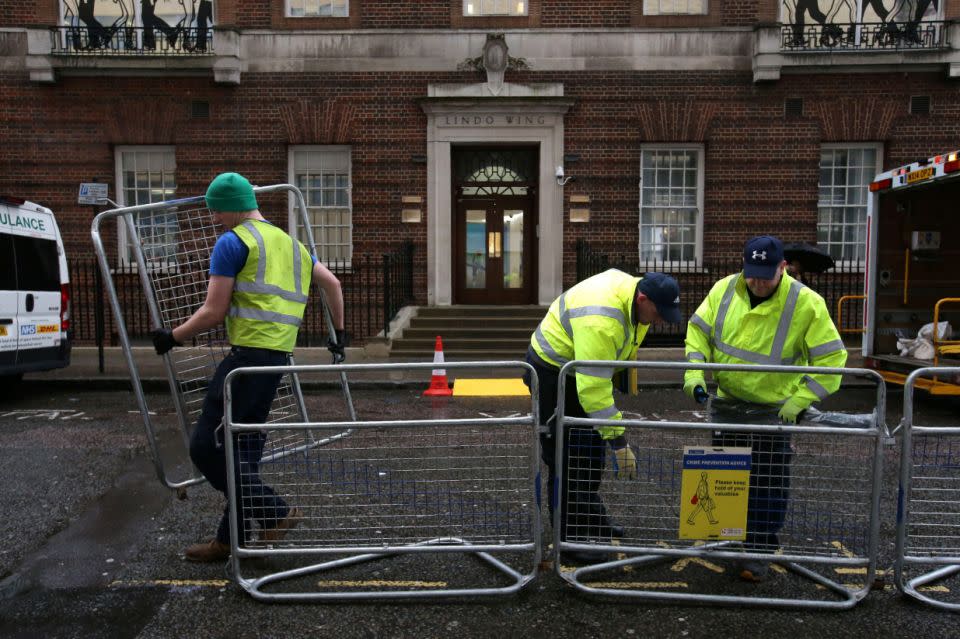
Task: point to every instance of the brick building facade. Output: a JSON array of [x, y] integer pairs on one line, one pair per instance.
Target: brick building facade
[[743, 125]]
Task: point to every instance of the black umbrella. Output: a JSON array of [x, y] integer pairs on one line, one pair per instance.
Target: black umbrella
[[813, 259]]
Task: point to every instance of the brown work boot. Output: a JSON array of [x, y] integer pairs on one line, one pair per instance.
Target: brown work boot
[[211, 551], [280, 531]]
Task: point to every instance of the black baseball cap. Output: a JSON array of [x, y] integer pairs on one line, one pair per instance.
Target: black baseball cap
[[664, 292], [761, 257]]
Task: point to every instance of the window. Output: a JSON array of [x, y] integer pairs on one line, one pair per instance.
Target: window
[[38, 263], [674, 7], [318, 8], [148, 174], [494, 7], [671, 199], [322, 173], [845, 175]]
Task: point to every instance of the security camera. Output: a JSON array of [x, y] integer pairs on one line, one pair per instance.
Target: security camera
[[561, 181], [559, 172]]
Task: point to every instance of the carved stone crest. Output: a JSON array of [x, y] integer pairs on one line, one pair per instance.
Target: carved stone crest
[[494, 60]]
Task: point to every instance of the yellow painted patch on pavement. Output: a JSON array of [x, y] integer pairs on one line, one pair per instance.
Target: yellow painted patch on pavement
[[636, 585], [680, 564], [182, 583], [511, 387], [380, 583]]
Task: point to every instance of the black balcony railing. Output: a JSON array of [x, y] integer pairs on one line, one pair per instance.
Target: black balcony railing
[[696, 280], [99, 40], [863, 36]]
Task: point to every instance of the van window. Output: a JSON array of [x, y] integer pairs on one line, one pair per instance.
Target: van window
[[39, 267], [8, 268]]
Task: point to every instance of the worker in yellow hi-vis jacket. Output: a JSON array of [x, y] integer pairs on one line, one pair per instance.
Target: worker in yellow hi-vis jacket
[[763, 316], [604, 317]]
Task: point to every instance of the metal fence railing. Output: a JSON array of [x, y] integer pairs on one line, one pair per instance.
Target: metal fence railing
[[866, 36], [96, 39], [845, 279], [375, 287]]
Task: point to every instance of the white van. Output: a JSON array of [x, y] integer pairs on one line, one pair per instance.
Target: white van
[[34, 291]]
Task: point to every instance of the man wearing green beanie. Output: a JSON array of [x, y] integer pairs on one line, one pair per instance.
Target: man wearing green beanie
[[259, 281]]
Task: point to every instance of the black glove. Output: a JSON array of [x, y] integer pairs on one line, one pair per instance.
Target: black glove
[[163, 340], [700, 395], [337, 347]]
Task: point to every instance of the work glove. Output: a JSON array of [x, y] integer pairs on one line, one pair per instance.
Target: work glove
[[625, 459], [694, 390], [336, 347], [163, 340], [792, 410]]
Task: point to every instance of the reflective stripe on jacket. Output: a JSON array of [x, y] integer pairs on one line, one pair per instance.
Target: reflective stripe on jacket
[[792, 328], [270, 291], [593, 321]]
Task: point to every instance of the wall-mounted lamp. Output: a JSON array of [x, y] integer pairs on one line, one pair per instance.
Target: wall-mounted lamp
[[411, 213], [561, 180], [579, 214]]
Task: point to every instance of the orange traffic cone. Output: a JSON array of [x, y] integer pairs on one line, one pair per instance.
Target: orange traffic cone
[[438, 380]]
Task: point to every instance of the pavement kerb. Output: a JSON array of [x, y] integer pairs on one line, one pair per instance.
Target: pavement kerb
[[84, 374]]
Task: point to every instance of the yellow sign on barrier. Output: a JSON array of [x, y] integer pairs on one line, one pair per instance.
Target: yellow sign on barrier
[[713, 493]]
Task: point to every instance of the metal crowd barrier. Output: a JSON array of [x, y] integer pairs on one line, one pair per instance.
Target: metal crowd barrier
[[830, 529], [414, 495], [173, 277], [928, 506]]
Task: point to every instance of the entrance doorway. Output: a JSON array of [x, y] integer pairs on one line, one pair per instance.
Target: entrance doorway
[[494, 224]]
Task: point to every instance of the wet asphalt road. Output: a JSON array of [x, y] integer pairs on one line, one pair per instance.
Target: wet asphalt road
[[92, 543]]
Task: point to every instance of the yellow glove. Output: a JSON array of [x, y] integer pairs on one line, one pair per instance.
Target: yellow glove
[[626, 462], [791, 409]]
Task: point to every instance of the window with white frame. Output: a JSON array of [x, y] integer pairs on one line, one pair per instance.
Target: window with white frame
[[494, 7], [845, 175], [318, 8], [147, 174], [322, 173], [674, 7], [671, 199]]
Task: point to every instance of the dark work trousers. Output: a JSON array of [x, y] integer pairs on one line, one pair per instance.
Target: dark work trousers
[[769, 468], [252, 397], [582, 513]]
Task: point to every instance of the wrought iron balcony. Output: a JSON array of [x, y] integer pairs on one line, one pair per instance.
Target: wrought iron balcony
[[131, 41], [863, 36]]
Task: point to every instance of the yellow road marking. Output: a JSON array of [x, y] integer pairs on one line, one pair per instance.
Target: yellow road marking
[[680, 564], [636, 585], [202, 583], [380, 583]]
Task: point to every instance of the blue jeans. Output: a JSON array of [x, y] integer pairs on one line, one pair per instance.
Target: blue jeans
[[252, 397]]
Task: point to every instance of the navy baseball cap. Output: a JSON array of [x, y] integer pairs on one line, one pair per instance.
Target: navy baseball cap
[[761, 257], [664, 292]]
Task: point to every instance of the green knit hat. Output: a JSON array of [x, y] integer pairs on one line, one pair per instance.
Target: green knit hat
[[230, 192]]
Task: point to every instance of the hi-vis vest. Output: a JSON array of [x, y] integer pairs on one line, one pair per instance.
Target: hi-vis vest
[[270, 291], [593, 320], [792, 328]]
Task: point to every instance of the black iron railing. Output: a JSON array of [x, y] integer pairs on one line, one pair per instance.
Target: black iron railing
[[696, 281], [862, 36], [118, 40], [374, 289]]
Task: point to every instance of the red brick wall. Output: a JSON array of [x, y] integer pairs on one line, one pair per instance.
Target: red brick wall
[[16, 13], [761, 168]]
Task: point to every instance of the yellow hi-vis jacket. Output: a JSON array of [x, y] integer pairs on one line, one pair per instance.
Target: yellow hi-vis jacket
[[270, 291], [792, 328], [593, 321]]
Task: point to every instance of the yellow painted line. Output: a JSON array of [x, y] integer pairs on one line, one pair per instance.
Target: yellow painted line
[[380, 583], [679, 565], [196, 583], [510, 387], [636, 585]]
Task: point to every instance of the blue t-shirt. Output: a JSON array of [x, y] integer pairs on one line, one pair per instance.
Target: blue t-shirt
[[229, 255]]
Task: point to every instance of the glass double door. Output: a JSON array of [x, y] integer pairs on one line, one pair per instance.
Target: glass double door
[[494, 250]]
